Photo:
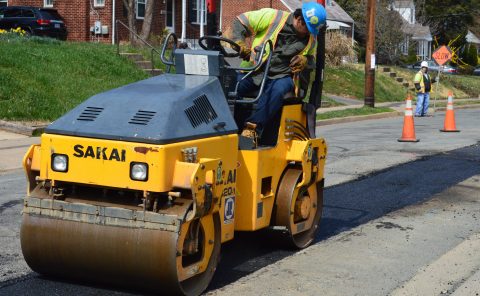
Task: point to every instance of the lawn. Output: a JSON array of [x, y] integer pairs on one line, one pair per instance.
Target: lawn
[[462, 86], [349, 81], [41, 79]]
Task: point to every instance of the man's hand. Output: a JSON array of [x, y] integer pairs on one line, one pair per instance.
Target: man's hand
[[298, 63], [245, 51]]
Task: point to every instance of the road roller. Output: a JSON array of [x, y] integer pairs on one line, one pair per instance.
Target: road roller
[[139, 186]]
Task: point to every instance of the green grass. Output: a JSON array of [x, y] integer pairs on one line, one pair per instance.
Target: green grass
[[349, 81], [353, 112], [41, 79], [146, 52], [470, 85], [462, 86]]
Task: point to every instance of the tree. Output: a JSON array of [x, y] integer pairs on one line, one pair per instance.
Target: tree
[[452, 17], [388, 34], [388, 28], [129, 5], [472, 56], [147, 21]]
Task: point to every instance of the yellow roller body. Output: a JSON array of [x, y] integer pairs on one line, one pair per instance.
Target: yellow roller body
[[76, 224], [94, 222], [260, 171]]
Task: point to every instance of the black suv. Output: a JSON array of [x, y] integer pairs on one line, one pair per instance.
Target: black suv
[[35, 21]]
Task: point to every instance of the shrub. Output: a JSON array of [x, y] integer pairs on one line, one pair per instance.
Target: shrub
[[338, 48], [466, 70], [472, 54], [12, 34]]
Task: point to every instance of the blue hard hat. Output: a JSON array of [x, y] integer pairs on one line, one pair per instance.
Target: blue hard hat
[[314, 15]]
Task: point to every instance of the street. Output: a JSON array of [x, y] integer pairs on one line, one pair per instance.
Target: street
[[399, 219]]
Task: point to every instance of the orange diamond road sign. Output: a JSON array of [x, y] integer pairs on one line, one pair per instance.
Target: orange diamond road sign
[[442, 55]]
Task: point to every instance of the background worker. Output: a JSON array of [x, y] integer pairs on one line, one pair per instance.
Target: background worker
[[294, 40], [423, 85]]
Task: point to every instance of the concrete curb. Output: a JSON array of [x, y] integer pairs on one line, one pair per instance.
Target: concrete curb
[[381, 115], [471, 106], [20, 128], [358, 118]]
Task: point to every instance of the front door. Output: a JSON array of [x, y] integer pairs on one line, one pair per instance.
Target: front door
[[170, 15]]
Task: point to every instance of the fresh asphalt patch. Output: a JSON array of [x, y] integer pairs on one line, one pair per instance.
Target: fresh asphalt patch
[[354, 203], [345, 206]]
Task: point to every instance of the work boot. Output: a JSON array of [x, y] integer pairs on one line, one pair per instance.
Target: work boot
[[251, 133]]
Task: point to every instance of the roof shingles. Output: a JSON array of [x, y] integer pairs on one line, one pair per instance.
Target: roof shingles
[[334, 11]]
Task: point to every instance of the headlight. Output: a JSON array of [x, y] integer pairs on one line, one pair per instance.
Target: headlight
[[139, 171], [59, 162]]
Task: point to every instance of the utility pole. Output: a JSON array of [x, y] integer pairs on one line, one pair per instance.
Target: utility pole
[[370, 56], [317, 86]]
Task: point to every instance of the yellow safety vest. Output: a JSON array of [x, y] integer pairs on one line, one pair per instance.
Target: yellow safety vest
[[265, 24], [419, 79]]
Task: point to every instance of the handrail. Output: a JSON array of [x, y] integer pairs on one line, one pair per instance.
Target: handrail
[[164, 49], [152, 49], [252, 70]]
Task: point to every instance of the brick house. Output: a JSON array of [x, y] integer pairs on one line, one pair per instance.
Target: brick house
[[81, 16]]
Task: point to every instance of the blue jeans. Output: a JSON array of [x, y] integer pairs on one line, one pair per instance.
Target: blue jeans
[[422, 104], [270, 102]]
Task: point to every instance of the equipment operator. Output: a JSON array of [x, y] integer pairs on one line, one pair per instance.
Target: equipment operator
[[294, 47]]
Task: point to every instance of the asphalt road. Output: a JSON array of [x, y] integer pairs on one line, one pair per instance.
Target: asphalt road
[[373, 182]]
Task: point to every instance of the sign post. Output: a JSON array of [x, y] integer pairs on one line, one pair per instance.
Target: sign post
[[441, 55]]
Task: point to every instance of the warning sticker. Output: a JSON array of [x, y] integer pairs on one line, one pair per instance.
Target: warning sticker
[[196, 64], [229, 210]]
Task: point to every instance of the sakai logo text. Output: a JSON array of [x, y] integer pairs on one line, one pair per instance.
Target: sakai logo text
[[99, 153]]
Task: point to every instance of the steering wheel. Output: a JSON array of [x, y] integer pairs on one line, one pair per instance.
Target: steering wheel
[[219, 47]]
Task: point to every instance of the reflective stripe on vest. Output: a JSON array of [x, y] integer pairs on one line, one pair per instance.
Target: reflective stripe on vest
[[244, 20], [278, 23]]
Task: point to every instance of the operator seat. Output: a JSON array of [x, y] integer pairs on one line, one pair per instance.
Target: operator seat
[[270, 132]]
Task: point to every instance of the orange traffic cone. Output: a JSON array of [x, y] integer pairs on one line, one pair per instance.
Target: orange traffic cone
[[408, 134], [449, 125]]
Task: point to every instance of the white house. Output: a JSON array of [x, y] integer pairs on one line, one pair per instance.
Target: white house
[[414, 32], [474, 40]]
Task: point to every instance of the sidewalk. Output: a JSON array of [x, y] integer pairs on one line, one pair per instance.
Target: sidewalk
[[12, 149]]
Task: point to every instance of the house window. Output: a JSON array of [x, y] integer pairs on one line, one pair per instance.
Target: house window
[[99, 3], [196, 11], [47, 3], [141, 9], [3, 3]]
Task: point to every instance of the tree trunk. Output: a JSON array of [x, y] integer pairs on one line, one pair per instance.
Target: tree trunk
[[147, 21], [130, 6]]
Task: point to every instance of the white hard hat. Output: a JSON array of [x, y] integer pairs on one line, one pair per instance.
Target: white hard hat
[[424, 64]]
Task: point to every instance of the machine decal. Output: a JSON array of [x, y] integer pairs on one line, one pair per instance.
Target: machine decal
[[232, 176], [219, 173], [99, 153], [259, 210], [196, 64], [228, 191], [229, 210]]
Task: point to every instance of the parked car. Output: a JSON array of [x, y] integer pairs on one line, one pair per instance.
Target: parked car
[[433, 67], [476, 71], [35, 21]]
